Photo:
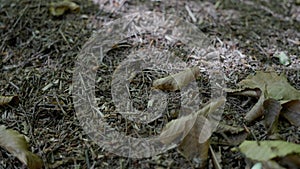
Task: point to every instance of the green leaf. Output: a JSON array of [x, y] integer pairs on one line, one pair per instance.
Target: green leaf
[[283, 58], [272, 85], [267, 150]]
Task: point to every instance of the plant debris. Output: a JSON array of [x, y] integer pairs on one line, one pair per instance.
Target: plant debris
[[60, 8], [16, 144], [38, 49], [264, 151], [177, 81], [9, 100], [270, 89]]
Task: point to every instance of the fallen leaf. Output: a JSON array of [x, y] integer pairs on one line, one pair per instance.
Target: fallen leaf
[[271, 86], [224, 128], [177, 81], [195, 131], [257, 110], [272, 111], [230, 135], [291, 111], [177, 129], [291, 161], [267, 150], [271, 164], [274, 86], [59, 8], [16, 144], [283, 58], [9, 100], [242, 92], [235, 139], [196, 143]]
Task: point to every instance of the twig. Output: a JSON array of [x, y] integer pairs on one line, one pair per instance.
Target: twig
[[59, 105], [214, 158], [14, 25], [119, 7], [63, 36], [190, 13], [17, 21], [263, 51]]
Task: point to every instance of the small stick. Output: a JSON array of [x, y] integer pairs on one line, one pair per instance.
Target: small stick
[[190, 13]]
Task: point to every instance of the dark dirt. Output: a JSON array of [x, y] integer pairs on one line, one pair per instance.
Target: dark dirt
[[38, 52]]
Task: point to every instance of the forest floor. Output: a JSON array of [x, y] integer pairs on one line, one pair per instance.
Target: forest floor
[[38, 52]]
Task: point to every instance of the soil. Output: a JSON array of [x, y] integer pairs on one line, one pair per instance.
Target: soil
[[38, 52]]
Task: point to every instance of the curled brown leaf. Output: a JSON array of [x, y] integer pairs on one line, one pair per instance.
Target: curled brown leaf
[[176, 81]]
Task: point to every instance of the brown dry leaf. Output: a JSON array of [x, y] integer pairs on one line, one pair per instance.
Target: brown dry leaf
[[257, 110], [194, 130], [177, 81], [243, 92], [291, 111], [270, 164], [291, 161], [9, 100], [272, 110], [177, 129], [196, 143], [271, 86], [231, 135], [16, 144], [233, 139], [224, 128], [59, 8]]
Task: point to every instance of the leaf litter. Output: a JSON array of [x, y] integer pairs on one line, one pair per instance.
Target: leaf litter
[[270, 88], [285, 153], [60, 52], [60, 8], [16, 144], [9, 100], [276, 97]]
